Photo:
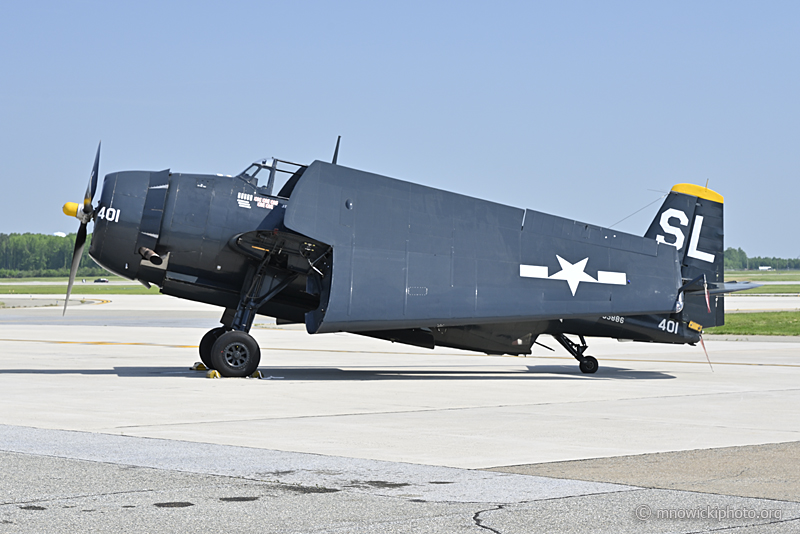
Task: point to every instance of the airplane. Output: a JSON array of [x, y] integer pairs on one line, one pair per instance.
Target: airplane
[[343, 250]]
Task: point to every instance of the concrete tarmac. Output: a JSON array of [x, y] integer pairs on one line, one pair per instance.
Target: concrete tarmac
[[106, 428]]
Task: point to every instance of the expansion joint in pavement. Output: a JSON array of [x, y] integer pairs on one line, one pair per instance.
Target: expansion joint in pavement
[[79, 496], [439, 410]]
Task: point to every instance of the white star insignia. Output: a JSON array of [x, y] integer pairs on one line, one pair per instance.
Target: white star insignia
[[573, 274]]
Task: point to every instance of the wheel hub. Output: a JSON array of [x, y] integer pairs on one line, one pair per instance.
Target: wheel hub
[[236, 354]]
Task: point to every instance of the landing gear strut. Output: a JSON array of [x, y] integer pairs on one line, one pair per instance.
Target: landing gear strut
[[588, 364]]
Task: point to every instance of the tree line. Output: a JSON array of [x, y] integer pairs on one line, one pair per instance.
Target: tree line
[[737, 260], [42, 255]]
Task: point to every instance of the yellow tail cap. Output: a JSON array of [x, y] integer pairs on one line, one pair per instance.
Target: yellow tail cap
[[698, 191], [71, 209]]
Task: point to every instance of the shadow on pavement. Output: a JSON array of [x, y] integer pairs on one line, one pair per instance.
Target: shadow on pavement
[[539, 372]]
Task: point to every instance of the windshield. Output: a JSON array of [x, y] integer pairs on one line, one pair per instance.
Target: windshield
[[251, 171], [273, 173]]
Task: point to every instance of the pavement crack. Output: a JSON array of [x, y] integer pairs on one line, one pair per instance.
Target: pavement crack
[[479, 522], [735, 476]]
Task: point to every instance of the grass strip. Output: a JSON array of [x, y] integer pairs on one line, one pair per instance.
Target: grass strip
[[759, 324], [762, 276], [771, 290], [65, 279], [78, 289]]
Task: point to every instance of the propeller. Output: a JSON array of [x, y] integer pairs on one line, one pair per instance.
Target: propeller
[[83, 213]]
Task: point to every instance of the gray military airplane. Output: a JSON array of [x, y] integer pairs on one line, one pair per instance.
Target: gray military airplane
[[344, 250]]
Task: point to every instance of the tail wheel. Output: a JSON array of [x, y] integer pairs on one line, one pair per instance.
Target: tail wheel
[[235, 353], [207, 343], [589, 365]]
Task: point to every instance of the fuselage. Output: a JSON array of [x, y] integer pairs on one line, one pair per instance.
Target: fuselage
[[191, 222]]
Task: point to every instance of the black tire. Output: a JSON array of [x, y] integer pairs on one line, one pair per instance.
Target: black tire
[[589, 365], [207, 343], [235, 354]]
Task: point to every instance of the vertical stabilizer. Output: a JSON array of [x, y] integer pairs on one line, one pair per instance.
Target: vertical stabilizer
[[691, 221]]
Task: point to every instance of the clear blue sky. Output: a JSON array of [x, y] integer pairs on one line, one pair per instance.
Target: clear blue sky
[[581, 109]]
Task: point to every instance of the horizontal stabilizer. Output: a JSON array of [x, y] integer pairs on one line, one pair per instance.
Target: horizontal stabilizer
[[698, 285], [730, 287]]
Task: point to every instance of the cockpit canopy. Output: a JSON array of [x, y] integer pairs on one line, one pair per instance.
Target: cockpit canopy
[[269, 169]]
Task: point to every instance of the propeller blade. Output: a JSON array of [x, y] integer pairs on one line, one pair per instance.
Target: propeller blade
[[92, 187], [77, 253]]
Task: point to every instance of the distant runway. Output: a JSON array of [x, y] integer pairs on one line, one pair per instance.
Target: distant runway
[[759, 303], [380, 437]]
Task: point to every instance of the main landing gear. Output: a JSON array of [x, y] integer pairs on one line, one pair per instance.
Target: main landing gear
[[230, 352], [230, 349], [278, 259], [235, 353], [588, 364]]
